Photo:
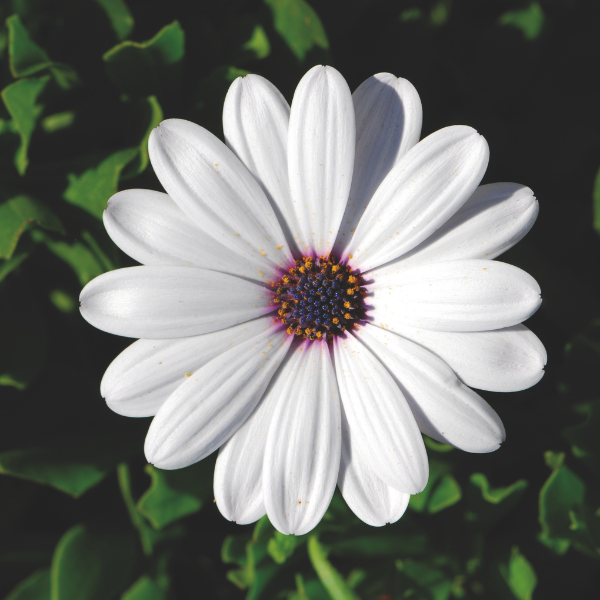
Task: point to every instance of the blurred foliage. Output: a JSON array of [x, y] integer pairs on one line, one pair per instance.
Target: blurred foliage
[[83, 83]]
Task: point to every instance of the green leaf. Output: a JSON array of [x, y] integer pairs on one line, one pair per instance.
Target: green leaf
[[120, 17], [262, 530], [446, 493], [148, 536], [254, 574], [92, 565], [331, 579], [596, 202], [439, 13], [585, 438], [436, 446], [8, 266], [495, 495], [299, 25], [143, 69], [427, 578], [71, 467], [563, 516], [85, 263], [64, 301], [258, 45], [281, 547], [311, 589], [24, 339], [233, 550], [17, 215], [27, 58], [175, 494], [92, 189], [7, 127], [411, 14], [418, 502], [58, 121], [529, 20], [20, 101], [145, 588], [520, 576], [561, 493], [262, 577], [35, 587], [486, 505], [148, 114]]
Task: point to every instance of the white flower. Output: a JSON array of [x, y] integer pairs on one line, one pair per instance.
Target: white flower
[[398, 239]]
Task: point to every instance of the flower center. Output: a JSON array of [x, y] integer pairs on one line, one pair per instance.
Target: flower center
[[320, 298]]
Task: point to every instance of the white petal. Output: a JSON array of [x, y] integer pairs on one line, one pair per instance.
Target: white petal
[[238, 483], [302, 455], [152, 229], [458, 295], [444, 408], [144, 375], [371, 500], [320, 157], [211, 185], [504, 360], [238, 472], [423, 190], [490, 222], [388, 124], [212, 404], [170, 302], [255, 122], [383, 427]]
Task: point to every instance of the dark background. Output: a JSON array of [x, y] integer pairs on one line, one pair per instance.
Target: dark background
[[532, 93]]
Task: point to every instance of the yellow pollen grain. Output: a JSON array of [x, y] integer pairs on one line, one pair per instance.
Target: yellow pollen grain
[[285, 305], [318, 334], [352, 279], [335, 268], [290, 330], [336, 320], [350, 255], [279, 247], [188, 374], [308, 331], [350, 291], [346, 304]]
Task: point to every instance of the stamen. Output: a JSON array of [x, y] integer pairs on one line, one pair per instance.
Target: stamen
[[319, 298]]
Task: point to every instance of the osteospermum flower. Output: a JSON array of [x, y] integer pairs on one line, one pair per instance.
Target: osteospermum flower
[[315, 294]]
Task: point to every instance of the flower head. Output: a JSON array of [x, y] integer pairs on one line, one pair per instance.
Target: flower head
[[314, 295]]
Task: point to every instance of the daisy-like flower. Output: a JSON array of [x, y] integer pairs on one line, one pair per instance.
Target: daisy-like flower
[[315, 294]]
